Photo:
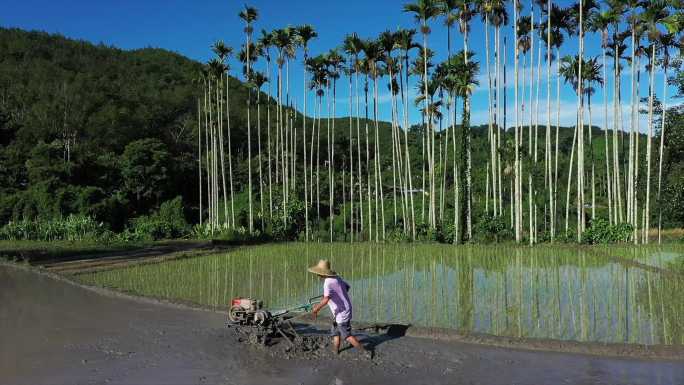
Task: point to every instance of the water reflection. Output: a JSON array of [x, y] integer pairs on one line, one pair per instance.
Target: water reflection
[[541, 292]]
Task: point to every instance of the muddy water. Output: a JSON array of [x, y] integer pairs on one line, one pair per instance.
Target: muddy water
[[52, 332], [617, 295]]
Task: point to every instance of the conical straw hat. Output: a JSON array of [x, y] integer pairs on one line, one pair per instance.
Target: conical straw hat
[[322, 269]]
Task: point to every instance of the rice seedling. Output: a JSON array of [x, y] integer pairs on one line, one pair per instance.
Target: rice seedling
[[542, 292]]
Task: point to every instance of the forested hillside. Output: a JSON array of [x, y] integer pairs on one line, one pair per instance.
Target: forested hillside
[[72, 115], [95, 130]]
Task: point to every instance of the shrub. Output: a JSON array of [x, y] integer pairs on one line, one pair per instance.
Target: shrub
[[446, 233], [71, 228], [491, 228], [397, 234], [166, 223], [202, 231], [601, 231], [569, 236], [230, 235], [424, 233], [289, 227]]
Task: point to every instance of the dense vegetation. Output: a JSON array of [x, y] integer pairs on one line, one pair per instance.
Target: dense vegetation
[[91, 129], [111, 135]]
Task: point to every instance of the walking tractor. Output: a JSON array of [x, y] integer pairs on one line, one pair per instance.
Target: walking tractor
[[261, 324]]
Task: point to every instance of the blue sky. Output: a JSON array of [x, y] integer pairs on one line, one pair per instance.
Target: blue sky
[[190, 27]]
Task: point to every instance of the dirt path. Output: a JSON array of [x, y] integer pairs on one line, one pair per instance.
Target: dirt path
[[116, 259], [52, 332]]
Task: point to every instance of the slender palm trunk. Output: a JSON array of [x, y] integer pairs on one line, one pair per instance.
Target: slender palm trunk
[[500, 128], [547, 141], [468, 188], [406, 151], [249, 142], [277, 134], [400, 164], [444, 153], [490, 118], [637, 129], [358, 144], [394, 148], [261, 178], [456, 175], [214, 150], [351, 160], [617, 125], [529, 134], [292, 132], [466, 230], [630, 189], [536, 137], [279, 166], [426, 101], [556, 152], [332, 155], [287, 133], [306, 184], [210, 142], [207, 134], [518, 224], [609, 184], [660, 160], [330, 165], [344, 201], [379, 192], [368, 182], [651, 86], [567, 191], [318, 159], [311, 153], [423, 134], [199, 158], [580, 133], [230, 158], [591, 157], [268, 138], [223, 162]]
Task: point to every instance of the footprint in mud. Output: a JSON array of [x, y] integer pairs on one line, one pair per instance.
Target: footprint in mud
[[310, 346]]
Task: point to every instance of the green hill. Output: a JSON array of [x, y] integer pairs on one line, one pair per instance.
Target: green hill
[[96, 130]]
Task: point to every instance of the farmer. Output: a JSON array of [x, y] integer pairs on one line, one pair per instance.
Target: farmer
[[335, 294]]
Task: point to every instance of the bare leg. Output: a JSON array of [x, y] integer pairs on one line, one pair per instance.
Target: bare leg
[[367, 353], [352, 340], [336, 344]]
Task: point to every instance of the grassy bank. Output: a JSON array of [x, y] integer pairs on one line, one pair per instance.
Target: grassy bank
[[39, 251]]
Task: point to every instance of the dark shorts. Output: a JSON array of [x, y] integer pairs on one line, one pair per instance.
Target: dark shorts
[[343, 330]]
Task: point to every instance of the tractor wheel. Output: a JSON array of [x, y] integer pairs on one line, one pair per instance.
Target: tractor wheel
[[234, 314]]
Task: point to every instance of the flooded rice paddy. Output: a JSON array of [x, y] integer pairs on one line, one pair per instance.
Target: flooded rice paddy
[[607, 294]]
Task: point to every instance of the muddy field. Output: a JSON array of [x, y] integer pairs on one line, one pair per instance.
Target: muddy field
[[53, 332]]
